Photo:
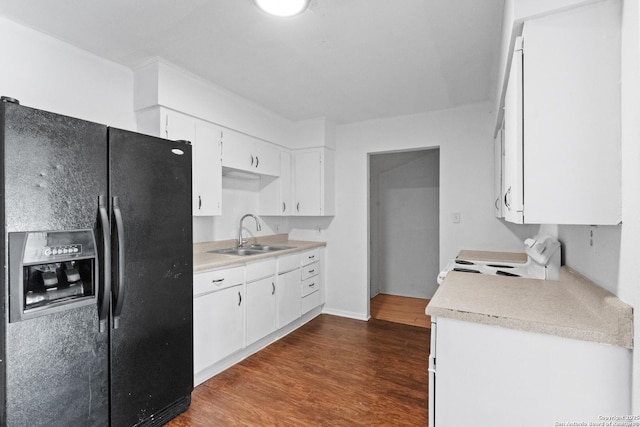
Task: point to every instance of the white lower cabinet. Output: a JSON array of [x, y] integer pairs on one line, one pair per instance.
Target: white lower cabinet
[[487, 376], [288, 297], [218, 326], [311, 280], [311, 301], [262, 302], [262, 306], [235, 308]]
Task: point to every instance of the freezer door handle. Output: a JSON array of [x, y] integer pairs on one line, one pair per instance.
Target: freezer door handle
[[105, 288], [119, 285]]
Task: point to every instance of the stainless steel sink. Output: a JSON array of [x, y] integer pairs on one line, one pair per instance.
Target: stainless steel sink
[[269, 248], [250, 250], [238, 251]]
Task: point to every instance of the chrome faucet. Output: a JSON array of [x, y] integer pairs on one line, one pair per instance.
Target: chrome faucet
[[240, 241]]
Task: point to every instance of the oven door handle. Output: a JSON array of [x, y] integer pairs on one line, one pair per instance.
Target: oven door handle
[[105, 267], [119, 285]]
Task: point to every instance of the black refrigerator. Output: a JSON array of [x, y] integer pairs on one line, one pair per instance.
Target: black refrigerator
[[97, 282]]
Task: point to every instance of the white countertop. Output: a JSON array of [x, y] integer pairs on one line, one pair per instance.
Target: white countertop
[[572, 307]]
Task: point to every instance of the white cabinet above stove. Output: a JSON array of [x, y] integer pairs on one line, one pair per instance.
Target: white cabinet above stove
[[562, 120]]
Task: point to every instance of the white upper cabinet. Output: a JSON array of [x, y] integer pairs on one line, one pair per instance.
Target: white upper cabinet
[[205, 152], [313, 178], [498, 181], [245, 153], [274, 197], [207, 170], [562, 119], [513, 161]]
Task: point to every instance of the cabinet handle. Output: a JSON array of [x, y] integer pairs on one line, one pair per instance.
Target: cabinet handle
[[217, 280], [312, 271], [506, 198], [257, 161], [252, 160], [312, 256], [312, 284], [239, 298], [284, 206], [199, 202], [496, 203], [298, 207], [273, 291]]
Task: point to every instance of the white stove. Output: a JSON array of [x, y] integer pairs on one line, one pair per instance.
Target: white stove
[[543, 262]]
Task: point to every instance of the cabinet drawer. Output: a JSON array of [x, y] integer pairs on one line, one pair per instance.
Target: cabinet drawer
[[216, 280], [289, 262], [310, 285], [311, 301], [260, 270], [310, 256], [310, 270]]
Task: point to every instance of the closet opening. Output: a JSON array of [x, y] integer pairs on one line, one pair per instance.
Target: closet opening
[[404, 236]]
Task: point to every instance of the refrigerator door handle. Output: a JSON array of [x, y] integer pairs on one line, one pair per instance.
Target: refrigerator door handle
[[119, 288], [105, 289]]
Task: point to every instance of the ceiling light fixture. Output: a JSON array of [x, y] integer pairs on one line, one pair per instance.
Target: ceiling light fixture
[[282, 7]]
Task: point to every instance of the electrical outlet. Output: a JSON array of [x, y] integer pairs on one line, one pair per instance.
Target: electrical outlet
[[592, 234]]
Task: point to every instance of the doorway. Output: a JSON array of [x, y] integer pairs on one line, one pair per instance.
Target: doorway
[[404, 236]]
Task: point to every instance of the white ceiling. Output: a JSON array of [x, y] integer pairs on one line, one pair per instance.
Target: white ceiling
[[347, 60]]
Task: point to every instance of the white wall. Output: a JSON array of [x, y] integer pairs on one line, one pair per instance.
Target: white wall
[[404, 224], [45, 73], [465, 138]]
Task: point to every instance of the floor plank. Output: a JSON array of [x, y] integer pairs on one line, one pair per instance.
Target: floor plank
[[332, 371], [406, 310]]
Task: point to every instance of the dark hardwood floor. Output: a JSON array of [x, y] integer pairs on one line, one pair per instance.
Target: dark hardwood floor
[[330, 372]]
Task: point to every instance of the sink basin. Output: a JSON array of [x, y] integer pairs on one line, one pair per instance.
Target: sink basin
[[238, 251], [251, 250], [269, 248]]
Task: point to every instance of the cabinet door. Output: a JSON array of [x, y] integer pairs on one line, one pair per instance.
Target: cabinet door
[[513, 134], [274, 197], [308, 180], [498, 164], [285, 183], [206, 167], [237, 151], [179, 126], [246, 153], [261, 308], [289, 295], [572, 151], [218, 326], [267, 158], [207, 171]]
